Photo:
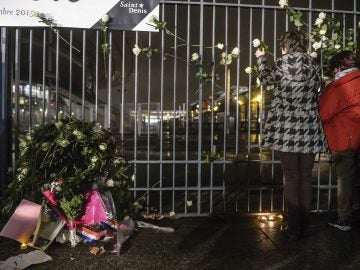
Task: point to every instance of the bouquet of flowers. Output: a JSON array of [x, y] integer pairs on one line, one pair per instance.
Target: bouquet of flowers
[[65, 159]]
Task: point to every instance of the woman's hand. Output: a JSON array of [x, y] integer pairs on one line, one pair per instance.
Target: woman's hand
[[259, 53]]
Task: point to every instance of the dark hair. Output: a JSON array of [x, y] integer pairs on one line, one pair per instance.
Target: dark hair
[[294, 41], [344, 60]]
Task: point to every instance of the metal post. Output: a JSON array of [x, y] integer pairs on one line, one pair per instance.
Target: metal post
[[5, 109]]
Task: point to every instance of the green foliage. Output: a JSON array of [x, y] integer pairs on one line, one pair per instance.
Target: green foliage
[[81, 155]]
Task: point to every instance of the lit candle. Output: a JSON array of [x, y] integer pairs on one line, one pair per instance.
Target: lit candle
[[23, 246]]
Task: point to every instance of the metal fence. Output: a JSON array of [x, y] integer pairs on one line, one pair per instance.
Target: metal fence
[[194, 145]]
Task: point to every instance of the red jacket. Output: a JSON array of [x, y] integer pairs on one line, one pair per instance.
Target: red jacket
[[340, 112]]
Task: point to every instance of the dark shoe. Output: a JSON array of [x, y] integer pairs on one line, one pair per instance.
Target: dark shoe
[[339, 224]]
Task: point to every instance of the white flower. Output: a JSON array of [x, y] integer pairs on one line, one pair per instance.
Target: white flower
[[324, 45], [313, 54], [195, 57], [318, 21], [136, 50], [337, 46], [223, 55], [152, 19], [133, 178], [323, 38], [189, 203], [235, 52], [109, 183], [220, 46], [103, 146], [283, 3], [34, 13], [58, 124], [94, 159], [97, 127], [322, 15], [248, 70], [258, 82], [78, 134], [256, 42], [316, 45], [172, 214], [322, 32], [226, 60], [105, 18]]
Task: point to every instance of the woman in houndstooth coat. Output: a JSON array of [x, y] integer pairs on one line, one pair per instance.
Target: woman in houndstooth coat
[[293, 126]]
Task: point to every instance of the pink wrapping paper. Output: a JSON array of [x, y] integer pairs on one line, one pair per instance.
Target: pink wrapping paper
[[94, 209]]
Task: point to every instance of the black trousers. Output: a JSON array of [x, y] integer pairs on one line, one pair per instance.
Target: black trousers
[[297, 170]]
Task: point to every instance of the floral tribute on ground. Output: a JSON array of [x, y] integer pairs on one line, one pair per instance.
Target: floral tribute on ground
[[77, 170]]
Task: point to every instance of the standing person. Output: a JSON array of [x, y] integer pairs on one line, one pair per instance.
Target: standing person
[[293, 127], [340, 114]]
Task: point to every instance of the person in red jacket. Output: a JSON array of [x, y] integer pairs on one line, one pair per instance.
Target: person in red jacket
[[339, 107]]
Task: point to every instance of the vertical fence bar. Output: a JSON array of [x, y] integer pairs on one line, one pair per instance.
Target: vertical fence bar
[[83, 76], [16, 87], [70, 72], [174, 108], [187, 108], [200, 96], [45, 103], [136, 111], [162, 71], [97, 76], [108, 123], [148, 127], [212, 107], [122, 86], [30, 78], [5, 108], [57, 76]]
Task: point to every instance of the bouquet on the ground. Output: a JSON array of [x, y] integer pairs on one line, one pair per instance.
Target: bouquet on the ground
[[64, 160]]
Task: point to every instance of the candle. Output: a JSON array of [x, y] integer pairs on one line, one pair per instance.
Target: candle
[[23, 246]]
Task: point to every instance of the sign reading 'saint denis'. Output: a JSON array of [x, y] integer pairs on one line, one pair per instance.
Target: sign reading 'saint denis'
[[125, 15]]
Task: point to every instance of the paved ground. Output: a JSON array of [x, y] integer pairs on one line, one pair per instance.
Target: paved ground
[[226, 242]]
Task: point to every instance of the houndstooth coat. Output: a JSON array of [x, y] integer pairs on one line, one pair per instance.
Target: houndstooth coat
[[293, 123]]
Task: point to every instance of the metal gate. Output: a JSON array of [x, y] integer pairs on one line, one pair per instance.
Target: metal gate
[[194, 144]]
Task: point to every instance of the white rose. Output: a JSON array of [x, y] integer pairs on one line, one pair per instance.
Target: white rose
[[195, 56], [152, 19], [316, 45], [337, 46], [223, 55], [256, 42], [103, 146], [248, 70], [322, 32], [235, 52], [313, 54], [220, 46], [109, 183], [105, 18], [283, 3], [228, 59], [318, 21], [322, 15], [136, 50]]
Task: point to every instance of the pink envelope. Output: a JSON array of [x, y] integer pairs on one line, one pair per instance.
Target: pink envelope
[[23, 222]]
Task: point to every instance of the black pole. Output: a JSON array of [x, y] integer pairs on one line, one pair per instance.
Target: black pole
[[5, 109]]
